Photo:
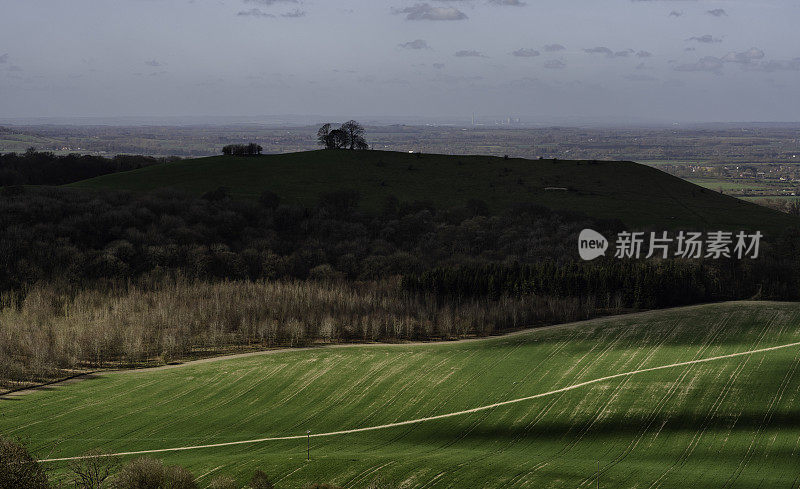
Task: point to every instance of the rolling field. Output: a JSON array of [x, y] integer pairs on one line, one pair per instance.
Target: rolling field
[[638, 195], [727, 422]]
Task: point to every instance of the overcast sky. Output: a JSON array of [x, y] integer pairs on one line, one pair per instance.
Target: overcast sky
[[540, 60]]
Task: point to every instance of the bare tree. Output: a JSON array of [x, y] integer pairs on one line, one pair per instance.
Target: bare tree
[[91, 472], [355, 133], [323, 136]]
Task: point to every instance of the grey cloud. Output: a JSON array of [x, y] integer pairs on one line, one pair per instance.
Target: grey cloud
[[555, 64], [599, 50], [708, 64], [526, 53], [552, 48], [254, 12], [424, 11], [717, 12], [609, 53], [676, 14], [152, 63], [705, 39], [773, 66], [438, 66], [746, 57], [513, 3], [415, 44], [4, 58], [468, 53], [644, 54], [294, 14]]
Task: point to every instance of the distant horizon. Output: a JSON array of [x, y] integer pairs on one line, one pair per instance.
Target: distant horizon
[[299, 120]]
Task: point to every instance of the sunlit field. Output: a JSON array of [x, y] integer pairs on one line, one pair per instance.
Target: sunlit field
[[730, 422]]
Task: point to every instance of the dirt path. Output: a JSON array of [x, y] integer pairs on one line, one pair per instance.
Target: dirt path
[[437, 417]]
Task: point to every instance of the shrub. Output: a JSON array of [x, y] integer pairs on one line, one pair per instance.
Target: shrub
[[18, 469], [260, 480], [148, 473], [223, 482]]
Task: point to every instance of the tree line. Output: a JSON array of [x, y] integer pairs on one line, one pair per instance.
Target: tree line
[[251, 149], [46, 168], [349, 136]]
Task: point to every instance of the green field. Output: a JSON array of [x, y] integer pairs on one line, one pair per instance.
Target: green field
[[732, 422], [639, 195]]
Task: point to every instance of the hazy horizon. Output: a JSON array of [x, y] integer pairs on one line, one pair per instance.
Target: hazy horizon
[[437, 61]]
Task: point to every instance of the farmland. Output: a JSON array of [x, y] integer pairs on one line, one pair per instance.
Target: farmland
[[731, 422]]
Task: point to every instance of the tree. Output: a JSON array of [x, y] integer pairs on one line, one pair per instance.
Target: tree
[[91, 472], [323, 136], [355, 134], [349, 136], [338, 139], [18, 468]]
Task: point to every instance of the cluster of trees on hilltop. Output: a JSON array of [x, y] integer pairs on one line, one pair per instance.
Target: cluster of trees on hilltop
[[349, 136], [45, 168], [251, 149]]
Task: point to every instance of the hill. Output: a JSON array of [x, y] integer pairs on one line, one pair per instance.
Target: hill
[[705, 395], [638, 195]]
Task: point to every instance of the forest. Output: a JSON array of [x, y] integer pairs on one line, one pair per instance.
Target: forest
[[102, 278], [46, 168]]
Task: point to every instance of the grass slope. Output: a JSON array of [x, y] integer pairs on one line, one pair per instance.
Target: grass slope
[[637, 194], [728, 423]]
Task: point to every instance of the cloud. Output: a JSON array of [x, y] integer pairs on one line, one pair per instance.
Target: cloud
[[468, 53], [676, 14], [552, 48], [644, 54], [424, 11], [555, 64], [512, 3], [708, 64], [438, 66], [750, 56], [717, 12], [152, 63], [705, 39], [415, 44], [609, 53], [525, 53], [254, 12], [294, 14], [599, 50], [773, 66]]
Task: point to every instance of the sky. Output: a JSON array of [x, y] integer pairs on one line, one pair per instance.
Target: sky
[[543, 61]]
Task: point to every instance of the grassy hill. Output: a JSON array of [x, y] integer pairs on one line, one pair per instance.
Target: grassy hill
[[731, 422], [637, 194]]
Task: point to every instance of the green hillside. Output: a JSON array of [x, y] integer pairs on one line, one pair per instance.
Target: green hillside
[[637, 194], [729, 422]]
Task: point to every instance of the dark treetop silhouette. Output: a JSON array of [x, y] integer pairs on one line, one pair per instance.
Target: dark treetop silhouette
[[349, 136]]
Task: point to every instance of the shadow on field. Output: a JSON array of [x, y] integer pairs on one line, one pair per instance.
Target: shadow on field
[[612, 426]]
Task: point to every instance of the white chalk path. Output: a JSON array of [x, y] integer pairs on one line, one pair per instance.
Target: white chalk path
[[430, 418]]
